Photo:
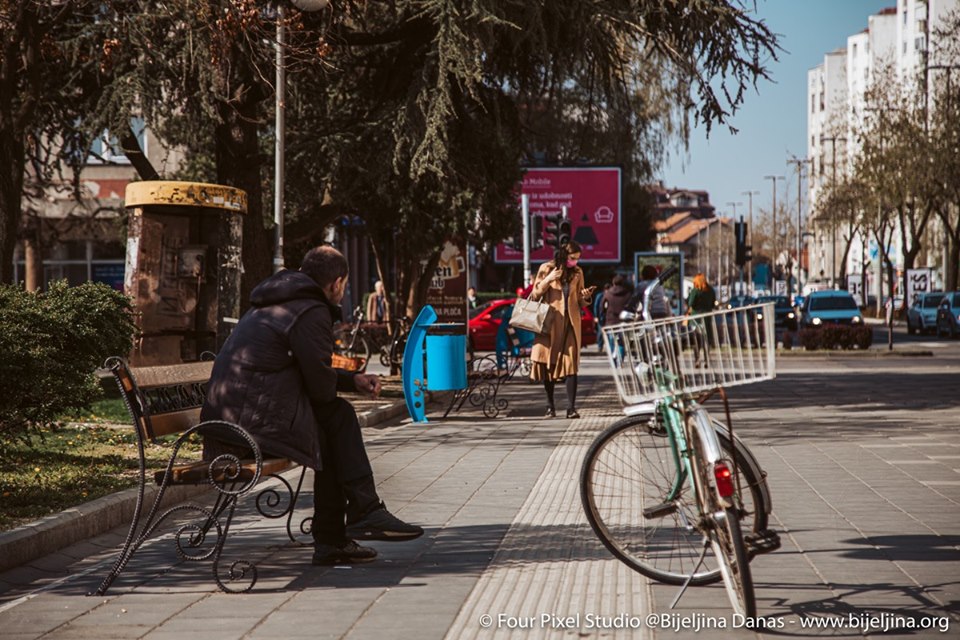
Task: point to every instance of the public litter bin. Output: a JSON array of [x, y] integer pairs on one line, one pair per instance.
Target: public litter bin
[[446, 348]]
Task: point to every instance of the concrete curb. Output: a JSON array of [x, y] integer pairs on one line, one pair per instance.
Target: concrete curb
[[854, 353], [58, 530]]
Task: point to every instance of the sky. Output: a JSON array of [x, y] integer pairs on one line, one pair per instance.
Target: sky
[[772, 123]]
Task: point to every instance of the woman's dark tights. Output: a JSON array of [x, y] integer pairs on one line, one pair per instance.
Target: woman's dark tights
[[571, 382]]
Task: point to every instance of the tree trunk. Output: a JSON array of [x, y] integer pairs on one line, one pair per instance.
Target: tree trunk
[[11, 194], [953, 262], [416, 281], [238, 165]]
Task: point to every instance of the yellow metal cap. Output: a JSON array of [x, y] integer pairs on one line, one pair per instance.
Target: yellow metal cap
[[185, 194]]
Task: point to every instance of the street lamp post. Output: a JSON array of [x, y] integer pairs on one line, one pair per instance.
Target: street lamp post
[[750, 195], [799, 162], [281, 124]]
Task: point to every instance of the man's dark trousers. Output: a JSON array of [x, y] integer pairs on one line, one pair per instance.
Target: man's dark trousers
[[346, 480]]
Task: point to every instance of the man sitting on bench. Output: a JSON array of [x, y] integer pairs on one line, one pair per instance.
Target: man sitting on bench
[[273, 377]]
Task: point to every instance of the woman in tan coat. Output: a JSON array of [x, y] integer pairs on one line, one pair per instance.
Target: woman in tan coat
[[556, 353]]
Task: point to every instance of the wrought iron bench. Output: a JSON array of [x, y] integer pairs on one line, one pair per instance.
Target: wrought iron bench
[[166, 401], [487, 374]]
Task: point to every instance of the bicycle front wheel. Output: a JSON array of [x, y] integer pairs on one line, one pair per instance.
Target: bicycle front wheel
[[630, 468]]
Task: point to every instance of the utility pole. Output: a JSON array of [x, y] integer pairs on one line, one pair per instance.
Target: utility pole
[[799, 162], [833, 252], [750, 195], [773, 234]]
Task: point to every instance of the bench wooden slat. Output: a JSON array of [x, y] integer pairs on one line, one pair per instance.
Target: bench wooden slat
[[175, 422], [174, 374], [197, 472]]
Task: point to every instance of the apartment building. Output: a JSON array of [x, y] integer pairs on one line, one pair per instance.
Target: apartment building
[[902, 37], [81, 240]]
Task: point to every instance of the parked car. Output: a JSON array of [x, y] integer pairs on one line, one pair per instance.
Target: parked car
[[831, 306], [739, 301], [784, 314], [922, 314], [485, 320], [948, 315]]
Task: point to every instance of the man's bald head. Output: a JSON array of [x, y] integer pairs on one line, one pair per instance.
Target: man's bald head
[[324, 264]]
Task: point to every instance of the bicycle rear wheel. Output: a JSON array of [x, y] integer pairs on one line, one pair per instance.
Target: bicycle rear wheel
[[629, 468], [731, 554], [724, 532]]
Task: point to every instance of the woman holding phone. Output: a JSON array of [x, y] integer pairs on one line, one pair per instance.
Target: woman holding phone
[[556, 353]]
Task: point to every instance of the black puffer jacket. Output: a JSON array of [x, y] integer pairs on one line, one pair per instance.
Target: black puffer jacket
[[615, 299], [275, 368]]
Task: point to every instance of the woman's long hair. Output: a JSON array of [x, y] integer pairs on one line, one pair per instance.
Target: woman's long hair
[[560, 259], [700, 282]]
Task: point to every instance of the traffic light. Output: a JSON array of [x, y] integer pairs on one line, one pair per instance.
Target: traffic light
[[536, 232], [551, 229], [743, 250], [566, 233], [557, 230]]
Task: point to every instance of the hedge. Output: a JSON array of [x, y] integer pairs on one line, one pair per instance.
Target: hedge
[[52, 344], [835, 336]]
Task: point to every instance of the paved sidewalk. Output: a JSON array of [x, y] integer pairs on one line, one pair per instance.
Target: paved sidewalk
[[863, 456]]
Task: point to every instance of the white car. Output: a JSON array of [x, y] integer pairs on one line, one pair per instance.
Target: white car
[[922, 314]]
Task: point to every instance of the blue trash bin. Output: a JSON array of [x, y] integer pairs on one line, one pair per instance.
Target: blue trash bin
[[446, 348]]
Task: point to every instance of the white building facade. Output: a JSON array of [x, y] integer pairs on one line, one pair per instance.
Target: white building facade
[[902, 37]]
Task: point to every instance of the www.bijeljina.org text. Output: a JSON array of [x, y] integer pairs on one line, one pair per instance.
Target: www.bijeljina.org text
[[862, 622]]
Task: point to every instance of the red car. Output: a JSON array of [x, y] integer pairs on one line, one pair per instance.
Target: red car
[[485, 321]]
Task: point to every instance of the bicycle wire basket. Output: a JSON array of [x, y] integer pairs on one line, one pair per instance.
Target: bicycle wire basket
[[689, 354]]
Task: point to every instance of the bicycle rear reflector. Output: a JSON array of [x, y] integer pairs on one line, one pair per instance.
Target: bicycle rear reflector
[[724, 479]]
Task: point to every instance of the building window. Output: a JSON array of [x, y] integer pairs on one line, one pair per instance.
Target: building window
[[918, 44], [822, 98], [813, 103], [854, 50], [106, 147]]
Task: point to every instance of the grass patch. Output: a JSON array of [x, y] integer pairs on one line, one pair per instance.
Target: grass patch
[[68, 466], [106, 410]]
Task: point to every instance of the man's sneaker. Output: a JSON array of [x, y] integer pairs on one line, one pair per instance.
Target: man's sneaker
[[348, 553], [380, 524]]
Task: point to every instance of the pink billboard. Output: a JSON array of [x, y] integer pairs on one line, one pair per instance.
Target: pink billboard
[[592, 198]]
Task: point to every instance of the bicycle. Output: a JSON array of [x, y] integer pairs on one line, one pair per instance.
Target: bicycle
[[391, 355], [667, 483], [350, 342]]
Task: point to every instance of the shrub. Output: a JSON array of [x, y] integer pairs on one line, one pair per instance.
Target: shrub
[[52, 343], [787, 340], [834, 336]]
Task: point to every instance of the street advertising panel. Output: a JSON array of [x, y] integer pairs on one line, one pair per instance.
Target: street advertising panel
[[855, 287], [592, 198], [673, 286], [918, 281], [779, 287], [447, 293]]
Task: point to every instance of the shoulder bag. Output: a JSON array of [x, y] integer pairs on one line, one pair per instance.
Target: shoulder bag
[[530, 315]]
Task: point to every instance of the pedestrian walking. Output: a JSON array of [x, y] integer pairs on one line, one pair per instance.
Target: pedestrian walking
[[615, 298], [471, 298], [659, 306], [273, 378], [702, 298], [556, 353], [378, 308], [600, 315]]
